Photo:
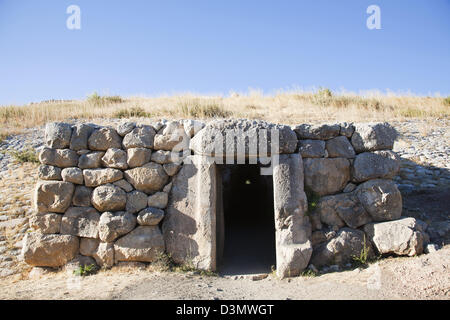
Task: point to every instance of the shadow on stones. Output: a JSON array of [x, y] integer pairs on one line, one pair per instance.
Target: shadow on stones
[[426, 196], [249, 237]]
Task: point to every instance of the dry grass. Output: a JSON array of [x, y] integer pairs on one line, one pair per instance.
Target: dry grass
[[290, 107]]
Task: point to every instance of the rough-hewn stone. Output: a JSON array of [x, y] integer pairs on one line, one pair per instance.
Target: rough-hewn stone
[[150, 216], [113, 225], [74, 175], [46, 223], [62, 158], [171, 168], [97, 177], [158, 200], [401, 237], [57, 135], [145, 243], [292, 227], [373, 136], [149, 178], [346, 207], [326, 176], [140, 137], [49, 250], [340, 147], [381, 199], [91, 160], [136, 201], [82, 196], [47, 172], [80, 136], [53, 196], [80, 221], [115, 158], [312, 148], [125, 128], [109, 198], [373, 165], [172, 137], [340, 250], [242, 137], [138, 156], [317, 132], [103, 139], [124, 184]]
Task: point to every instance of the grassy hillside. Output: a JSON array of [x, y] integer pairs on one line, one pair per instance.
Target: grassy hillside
[[292, 107]]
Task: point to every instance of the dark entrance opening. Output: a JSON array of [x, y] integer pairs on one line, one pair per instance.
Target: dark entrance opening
[[246, 227]]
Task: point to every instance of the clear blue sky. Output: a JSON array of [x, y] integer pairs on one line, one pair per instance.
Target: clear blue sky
[[213, 46]]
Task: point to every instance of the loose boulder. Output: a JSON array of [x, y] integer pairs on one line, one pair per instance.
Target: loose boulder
[[401, 237]]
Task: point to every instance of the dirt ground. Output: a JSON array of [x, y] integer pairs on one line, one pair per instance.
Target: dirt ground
[[423, 277]]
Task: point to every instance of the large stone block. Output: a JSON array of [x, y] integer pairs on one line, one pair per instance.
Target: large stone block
[[109, 198], [337, 209], [293, 229], [80, 221], [57, 135], [91, 160], [80, 136], [113, 225], [172, 137], [46, 223], [381, 199], [312, 148], [400, 237], [103, 139], [149, 178], [115, 158], [97, 177], [140, 137], [317, 132], [341, 249], [136, 201], [326, 176], [53, 196], [145, 244], [189, 226], [47, 172], [49, 250], [340, 147], [373, 136], [82, 196], [137, 157], [374, 165], [243, 138], [62, 158], [74, 175]]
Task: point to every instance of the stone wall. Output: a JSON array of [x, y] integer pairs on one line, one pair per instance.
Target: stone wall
[[124, 194]]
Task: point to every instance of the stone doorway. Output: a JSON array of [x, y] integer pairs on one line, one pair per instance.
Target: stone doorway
[[245, 220]]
